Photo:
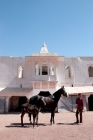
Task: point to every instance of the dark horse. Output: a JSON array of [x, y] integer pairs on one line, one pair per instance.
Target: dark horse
[[32, 109], [51, 101]]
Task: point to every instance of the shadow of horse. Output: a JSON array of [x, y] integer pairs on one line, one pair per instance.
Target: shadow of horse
[[27, 125]]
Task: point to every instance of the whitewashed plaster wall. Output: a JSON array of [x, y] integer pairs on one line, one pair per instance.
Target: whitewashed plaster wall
[[9, 72], [86, 63], [60, 73], [71, 63], [79, 71], [28, 74]]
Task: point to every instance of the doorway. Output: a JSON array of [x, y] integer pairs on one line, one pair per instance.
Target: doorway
[[90, 102], [16, 102], [22, 100]]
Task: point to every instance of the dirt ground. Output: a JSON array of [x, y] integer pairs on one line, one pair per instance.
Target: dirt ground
[[63, 129]]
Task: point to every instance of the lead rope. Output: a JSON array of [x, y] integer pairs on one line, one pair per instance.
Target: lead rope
[[72, 108]]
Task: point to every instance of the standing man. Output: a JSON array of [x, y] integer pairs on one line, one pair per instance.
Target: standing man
[[80, 105]]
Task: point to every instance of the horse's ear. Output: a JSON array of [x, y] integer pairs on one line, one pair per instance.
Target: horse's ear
[[62, 87]]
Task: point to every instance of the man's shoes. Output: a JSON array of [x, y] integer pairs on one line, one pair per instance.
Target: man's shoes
[[80, 122]]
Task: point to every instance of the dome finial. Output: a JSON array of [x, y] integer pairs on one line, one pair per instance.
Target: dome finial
[[44, 45], [44, 48]]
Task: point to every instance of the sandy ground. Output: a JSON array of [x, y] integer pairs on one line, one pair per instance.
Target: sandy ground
[[63, 129]]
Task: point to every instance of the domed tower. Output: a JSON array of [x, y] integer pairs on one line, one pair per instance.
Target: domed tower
[[44, 49]]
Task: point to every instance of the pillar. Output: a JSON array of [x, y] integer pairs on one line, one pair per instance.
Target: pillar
[[7, 104]]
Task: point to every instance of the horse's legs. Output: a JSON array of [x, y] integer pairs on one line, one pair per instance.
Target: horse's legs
[[22, 115], [51, 118], [37, 119], [34, 116], [53, 114], [30, 117]]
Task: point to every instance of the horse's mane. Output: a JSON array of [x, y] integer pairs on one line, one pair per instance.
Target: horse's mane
[[57, 91]]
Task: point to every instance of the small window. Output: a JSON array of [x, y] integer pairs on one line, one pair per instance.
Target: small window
[[44, 69], [20, 72], [67, 72], [90, 71]]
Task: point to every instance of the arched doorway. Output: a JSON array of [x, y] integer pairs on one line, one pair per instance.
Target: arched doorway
[[90, 102], [16, 102]]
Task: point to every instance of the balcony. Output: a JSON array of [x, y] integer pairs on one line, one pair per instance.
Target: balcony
[[44, 78]]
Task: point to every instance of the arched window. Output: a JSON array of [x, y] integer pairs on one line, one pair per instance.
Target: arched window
[[67, 72], [20, 72], [44, 69], [37, 69], [90, 71]]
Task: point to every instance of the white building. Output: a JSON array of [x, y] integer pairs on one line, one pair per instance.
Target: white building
[[23, 77]]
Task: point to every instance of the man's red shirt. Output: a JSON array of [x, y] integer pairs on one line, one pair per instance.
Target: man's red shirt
[[79, 102]]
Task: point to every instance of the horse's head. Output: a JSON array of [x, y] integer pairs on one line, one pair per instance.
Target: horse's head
[[64, 93]]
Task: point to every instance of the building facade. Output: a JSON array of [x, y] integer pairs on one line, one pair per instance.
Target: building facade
[[23, 77]]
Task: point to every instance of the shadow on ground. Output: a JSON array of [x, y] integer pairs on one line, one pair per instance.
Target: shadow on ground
[[67, 124], [26, 125]]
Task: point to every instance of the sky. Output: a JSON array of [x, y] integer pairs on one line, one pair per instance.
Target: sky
[[66, 26]]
